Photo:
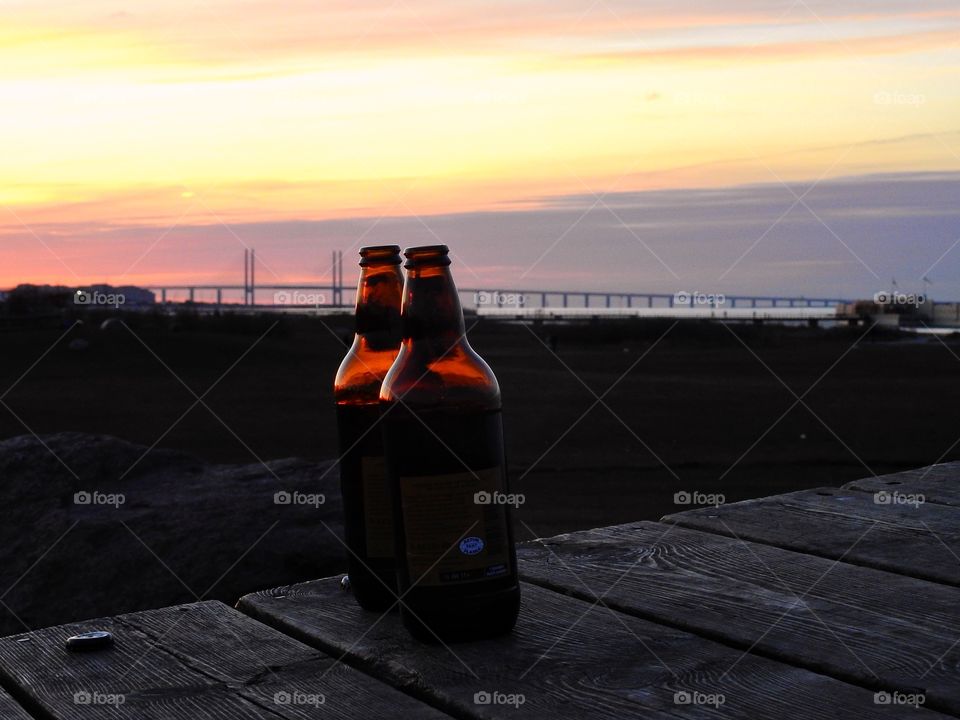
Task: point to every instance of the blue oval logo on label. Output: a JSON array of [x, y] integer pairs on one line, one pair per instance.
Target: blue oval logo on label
[[471, 545]]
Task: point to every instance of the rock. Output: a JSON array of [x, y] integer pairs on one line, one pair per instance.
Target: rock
[[98, 526]]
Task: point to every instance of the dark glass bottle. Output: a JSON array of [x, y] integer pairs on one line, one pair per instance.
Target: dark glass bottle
[[367, 503], [456, 560]]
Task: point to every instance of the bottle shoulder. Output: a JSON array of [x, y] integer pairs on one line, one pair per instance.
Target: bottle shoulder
[[361, 373], [458, 377]]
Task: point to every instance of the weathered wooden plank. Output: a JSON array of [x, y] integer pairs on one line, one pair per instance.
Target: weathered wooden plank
[[921, 541], [936, 483], [199, 661], [10, 709], [566, 659], [857, 624]]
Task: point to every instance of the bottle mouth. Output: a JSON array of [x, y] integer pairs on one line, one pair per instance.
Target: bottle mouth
[[427, 256], [380, 255]]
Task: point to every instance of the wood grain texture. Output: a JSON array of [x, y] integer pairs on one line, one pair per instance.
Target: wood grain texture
[[937, 483], [196, 662], [10, 709], [568, 659], [920, 541], [857, 624]]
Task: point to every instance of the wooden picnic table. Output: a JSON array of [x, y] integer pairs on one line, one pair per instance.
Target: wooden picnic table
[[825, 603]]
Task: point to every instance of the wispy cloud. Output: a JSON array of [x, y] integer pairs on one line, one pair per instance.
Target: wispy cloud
[[258, 38], [851, 47]]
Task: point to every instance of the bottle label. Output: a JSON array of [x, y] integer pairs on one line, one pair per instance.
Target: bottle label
[[454, 534], [377, 507]]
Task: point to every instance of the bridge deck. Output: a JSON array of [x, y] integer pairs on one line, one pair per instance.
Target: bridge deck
[[764, 313]]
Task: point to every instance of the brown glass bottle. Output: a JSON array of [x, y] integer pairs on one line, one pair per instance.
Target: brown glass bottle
[[367, 503], [456, 561]]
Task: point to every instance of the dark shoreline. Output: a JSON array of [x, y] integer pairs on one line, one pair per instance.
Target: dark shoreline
[[701, 396], [695, 408]]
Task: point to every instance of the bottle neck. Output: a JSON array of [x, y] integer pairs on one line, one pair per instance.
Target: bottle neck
[[431, 305], [379, 294]]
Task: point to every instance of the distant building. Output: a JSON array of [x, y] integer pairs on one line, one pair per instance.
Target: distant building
[[133, 296], [37, 299], [902, 310]]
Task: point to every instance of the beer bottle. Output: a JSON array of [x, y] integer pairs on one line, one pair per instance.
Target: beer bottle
[[367, 504], [456, 561]]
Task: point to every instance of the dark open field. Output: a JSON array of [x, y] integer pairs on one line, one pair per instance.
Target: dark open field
[[707, 408]]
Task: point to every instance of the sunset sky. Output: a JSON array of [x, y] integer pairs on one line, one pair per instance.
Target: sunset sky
[[149, 142]]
